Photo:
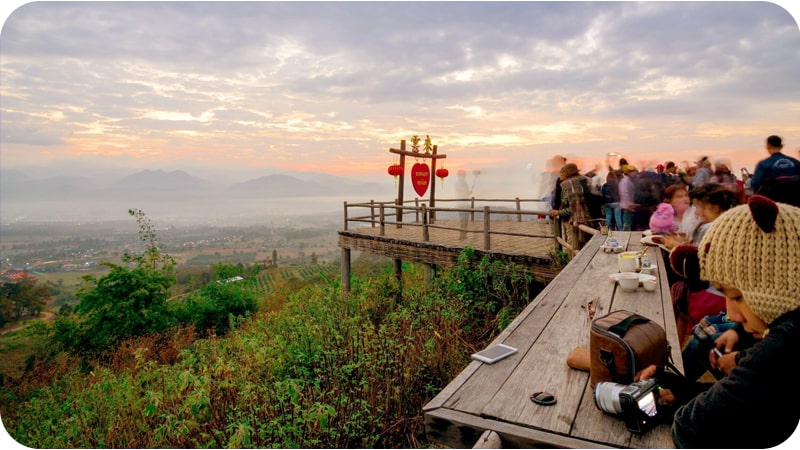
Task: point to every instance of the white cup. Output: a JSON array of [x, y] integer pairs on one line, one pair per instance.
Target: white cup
[[628, 261], [629, 281], [650, 285]]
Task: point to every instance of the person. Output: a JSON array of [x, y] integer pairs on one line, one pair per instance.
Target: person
[[686, 220], [673, 176], [626, 203], [694, 297], [753, 404], [663, 219], [776, 166], [463, 192], [610, 193], [702, 174], [550, 184], [573, 208]]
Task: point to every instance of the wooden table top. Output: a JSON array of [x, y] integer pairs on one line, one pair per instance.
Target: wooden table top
[[497, 396]]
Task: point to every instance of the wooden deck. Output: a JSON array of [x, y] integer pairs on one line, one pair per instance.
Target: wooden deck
[[526, 242], [496, 397]]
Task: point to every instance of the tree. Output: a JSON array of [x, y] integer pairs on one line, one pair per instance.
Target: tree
[[26, 296], [128, 301], [274, 257]]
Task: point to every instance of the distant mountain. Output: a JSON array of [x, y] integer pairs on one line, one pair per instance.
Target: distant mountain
[[53, 188], [161, 180], [178, 194], [289, 186]]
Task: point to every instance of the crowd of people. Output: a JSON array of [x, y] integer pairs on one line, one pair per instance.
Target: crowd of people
[[733, 245]]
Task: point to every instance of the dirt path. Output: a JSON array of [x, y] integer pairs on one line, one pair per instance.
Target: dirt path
[[44, 315]]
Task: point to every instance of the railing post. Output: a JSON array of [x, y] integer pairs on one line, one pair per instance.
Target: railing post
[[416, 209], [383, 221], [345, 216], [372, 212], [472, 207], [519, 215], [557, 232], [425, 235], [486, 241]]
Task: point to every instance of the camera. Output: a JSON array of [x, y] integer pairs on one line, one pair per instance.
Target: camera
[[636, 403]]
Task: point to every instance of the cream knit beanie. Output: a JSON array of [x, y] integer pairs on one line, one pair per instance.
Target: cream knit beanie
[[756, 249]]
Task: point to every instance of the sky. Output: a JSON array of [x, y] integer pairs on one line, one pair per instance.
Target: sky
[[259, 87]]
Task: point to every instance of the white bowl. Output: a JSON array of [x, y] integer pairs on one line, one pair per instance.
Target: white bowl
[[650, 285], [629, 281]]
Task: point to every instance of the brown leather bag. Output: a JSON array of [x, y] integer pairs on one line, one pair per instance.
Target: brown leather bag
[[622, 343]]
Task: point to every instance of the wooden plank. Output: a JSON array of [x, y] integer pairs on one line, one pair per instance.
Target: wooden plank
[[483, 384], [457, 429], [497, 397], [545, 369]]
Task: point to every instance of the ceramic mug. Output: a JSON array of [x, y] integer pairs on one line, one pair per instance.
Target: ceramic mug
[[628, 261]]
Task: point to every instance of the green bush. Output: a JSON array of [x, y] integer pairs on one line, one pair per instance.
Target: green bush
[[328, 369]]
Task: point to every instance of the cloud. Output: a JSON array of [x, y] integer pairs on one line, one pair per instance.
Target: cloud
[[332, 85]]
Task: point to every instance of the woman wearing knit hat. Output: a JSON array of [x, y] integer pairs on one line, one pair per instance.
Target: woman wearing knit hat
[[752, 254]]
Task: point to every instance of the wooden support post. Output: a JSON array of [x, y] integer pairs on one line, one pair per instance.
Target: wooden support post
[[398, 274], [489, 439], [430, 273], [399, 217], [345, 269], [486, 219], [425, 234], [519, 208], [345, 216], [433, 185]]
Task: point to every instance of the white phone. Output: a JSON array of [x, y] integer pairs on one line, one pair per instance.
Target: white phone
[[494, 353]]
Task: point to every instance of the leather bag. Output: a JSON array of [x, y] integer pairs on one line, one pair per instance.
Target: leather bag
[[622, 343]]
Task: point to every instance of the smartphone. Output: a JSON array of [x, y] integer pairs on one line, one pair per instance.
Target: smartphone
[[494, 353]]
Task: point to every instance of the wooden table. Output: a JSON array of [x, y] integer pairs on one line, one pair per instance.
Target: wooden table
[[497, 397]]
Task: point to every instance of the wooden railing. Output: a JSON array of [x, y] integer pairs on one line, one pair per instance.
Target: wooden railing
[[383, 214]]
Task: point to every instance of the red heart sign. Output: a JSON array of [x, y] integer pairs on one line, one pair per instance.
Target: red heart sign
[[420, 178]]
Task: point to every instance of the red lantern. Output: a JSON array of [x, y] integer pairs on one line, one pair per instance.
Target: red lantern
[[395, 170], [442, 173]]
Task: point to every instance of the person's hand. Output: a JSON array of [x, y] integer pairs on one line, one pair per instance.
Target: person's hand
[[727, 341], [554, 213], [725, 363], [665, 396], [646, 373], [672, 240]]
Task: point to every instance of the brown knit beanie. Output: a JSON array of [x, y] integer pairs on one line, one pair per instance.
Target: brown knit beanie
[[569, 169], [756, 249]]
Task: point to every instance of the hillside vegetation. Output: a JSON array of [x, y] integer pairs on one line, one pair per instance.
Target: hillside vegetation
[[293, 363]]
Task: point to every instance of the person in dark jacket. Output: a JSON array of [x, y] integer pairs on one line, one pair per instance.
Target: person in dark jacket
[[750, 254], [776, 166]]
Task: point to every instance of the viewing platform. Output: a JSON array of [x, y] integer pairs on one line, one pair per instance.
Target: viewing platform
[[513, 230]]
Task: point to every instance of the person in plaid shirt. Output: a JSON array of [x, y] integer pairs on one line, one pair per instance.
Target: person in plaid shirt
[[574, 209]]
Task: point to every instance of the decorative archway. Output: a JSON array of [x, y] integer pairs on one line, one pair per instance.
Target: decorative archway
[[421, 176]]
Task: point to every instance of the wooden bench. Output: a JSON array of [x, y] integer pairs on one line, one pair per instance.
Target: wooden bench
[[496, 397]]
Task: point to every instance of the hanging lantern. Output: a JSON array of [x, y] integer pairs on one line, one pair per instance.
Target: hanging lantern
[[395, 170], [442, 173]]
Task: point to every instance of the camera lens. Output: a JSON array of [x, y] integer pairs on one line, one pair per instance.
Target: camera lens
[[606, 397]]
